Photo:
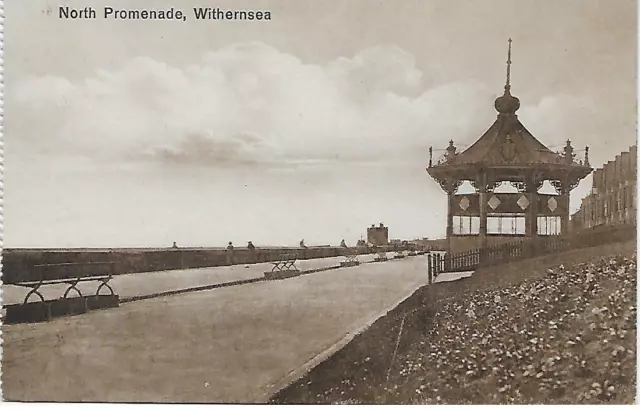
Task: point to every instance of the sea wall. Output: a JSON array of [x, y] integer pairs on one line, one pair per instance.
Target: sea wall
[[18, 264]]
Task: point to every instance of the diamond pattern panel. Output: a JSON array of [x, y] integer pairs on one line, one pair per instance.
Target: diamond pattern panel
[[464, 203], [493, 202], [523, 202]]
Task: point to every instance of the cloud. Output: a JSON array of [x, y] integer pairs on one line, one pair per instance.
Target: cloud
[[378, 69], [556, 118], [559, 117], [206, 149], [250, 104]]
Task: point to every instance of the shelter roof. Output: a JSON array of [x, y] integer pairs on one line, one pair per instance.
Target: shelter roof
[[508, 151]]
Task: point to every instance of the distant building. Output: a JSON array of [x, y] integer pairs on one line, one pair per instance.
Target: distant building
[[378, 235], [613, 197], [433, 244]]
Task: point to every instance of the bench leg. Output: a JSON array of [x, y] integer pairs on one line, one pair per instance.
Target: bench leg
[[103, 284], [72, 286], [34, 291]]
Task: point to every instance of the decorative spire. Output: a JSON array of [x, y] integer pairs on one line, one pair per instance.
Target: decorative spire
[[507, 86], [586, 157], [568, 152], [507, 104], [430, 157], [451, 151]]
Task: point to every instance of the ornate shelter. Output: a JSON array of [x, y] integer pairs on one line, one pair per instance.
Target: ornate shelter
[[507, 152]]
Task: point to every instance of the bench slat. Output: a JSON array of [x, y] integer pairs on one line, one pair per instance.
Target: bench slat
[[60, 281], [59, 271]]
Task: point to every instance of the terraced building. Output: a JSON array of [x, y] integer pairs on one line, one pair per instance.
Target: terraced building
[[613, 197]]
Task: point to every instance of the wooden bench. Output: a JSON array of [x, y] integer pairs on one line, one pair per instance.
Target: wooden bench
[[97, 272], [351, 258], [287, 262], [381, 257], [285, 267], [70, 274]]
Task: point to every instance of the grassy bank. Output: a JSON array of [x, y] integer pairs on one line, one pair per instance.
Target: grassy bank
[[555, 329]]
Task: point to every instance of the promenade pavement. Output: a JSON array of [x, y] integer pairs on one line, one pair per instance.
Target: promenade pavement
[[235, 344]]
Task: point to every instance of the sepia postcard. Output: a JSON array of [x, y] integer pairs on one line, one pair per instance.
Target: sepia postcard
[[319, 202]]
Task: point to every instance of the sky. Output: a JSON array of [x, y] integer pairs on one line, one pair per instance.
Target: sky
[[315, 124]]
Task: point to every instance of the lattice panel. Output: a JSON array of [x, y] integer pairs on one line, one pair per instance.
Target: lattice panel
[[467, 204], [506, 203], [551, 205]]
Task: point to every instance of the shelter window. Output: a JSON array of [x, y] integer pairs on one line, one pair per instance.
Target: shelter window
[[506, 224], [549, 225], [466, 225]]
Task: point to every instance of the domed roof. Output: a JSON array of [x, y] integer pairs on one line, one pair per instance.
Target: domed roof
[[506, 150], [507, 104], [507, 135]]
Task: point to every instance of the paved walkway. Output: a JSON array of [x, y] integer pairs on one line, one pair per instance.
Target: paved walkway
[[146, 283], [234, 344]]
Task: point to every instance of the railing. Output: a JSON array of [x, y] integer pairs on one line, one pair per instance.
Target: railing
[[528, 248]]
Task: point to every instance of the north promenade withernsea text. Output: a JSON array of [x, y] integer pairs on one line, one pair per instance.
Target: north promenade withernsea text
[[172, 13]]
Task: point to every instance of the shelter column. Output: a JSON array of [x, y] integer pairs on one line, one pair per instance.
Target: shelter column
[[532, 211], [482, 198], [449, 216], [564, 218]]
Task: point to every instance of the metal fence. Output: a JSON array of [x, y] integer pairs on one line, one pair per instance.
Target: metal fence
[[527, 248]]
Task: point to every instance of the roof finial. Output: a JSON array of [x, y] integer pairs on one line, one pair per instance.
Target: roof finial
[[586, 157], [507, 86], [506, 103]]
